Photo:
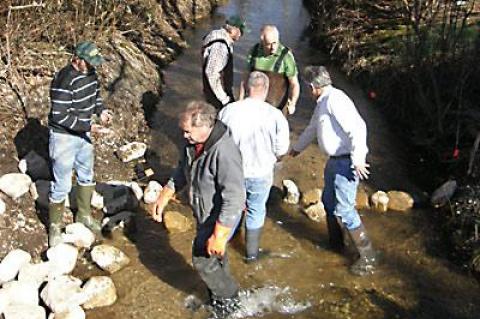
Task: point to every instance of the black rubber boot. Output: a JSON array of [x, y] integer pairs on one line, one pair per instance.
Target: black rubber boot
[[84, 213], [252, 242], [55, 215], [223, 307], [364, 265], [335, 234]]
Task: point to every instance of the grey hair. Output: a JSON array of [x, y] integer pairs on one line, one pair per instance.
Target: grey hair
[[257, 79], [229, 28], [318, 76], [270, 28], [199, 113]]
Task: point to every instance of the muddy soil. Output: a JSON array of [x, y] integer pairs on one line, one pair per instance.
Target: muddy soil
[[414, 280]]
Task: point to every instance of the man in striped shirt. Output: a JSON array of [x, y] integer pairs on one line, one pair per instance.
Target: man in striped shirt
[[75, 98]]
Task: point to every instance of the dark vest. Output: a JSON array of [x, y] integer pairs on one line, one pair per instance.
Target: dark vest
[[226, 76], [279, 84]]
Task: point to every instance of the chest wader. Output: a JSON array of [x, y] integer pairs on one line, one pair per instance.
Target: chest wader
[[279, 84], [226, 77]]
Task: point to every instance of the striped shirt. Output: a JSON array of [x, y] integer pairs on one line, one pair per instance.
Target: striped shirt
[[75, 98]]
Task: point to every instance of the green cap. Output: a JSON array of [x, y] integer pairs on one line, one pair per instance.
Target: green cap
[[89, 52], [236, 21]]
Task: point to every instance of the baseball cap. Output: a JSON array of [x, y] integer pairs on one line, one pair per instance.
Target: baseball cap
[[89, 52], [237, 21]]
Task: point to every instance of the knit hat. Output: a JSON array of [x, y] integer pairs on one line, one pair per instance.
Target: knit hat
[[317, 75], [89, 52], [236, 21]]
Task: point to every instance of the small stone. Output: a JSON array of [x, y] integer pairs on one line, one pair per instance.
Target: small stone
[[176, 222], [78, 235], [292, 194], [399, 201], [100, 292], [63, 293], [15, 184], [63, 258], [380, 201], [316, 212], [312, 196], [11, 264], [109, 258]]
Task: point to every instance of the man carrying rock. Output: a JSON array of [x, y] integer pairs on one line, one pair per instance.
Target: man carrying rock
[[211, 168], [217, 53], [342, 134], [277, 61], [75, 98], [262, 134]]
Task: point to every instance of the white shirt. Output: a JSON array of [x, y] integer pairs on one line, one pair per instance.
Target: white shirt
[[338, 126], [260, 131]]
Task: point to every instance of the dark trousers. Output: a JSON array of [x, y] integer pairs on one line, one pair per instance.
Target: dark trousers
[[213, 270]]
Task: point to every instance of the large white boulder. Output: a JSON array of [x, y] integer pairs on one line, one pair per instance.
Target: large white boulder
[[151, 192], [109, 258], [63, 258], [63, 293], [24, 312], [21, 292], [11, 264], [79, 235], [380, 201], [292, 194], [35, 273], [15, 184], [100, 292], [131, 151]]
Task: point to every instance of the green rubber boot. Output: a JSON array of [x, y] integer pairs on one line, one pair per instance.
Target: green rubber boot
[[55, 215], [84, 213]]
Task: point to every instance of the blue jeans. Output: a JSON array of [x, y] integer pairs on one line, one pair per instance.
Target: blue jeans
[[69, 152], [340, 191], [258, 190]]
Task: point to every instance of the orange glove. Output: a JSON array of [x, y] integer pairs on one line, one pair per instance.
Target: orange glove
[[162, 200], [217, 243]]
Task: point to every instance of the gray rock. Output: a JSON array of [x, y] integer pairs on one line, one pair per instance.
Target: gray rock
[[442, 195], [63, 258], [15, 184], [78, 235], [11, 264], [100, 292], [63, 293], [176, 222], [24, 312], [109, 258], [292, 194], [21, 292]]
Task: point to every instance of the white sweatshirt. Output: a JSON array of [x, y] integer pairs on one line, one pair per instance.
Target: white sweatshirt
[[260, 131], [339, 128]]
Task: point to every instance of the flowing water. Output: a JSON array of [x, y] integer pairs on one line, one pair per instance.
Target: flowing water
[[303, 279]]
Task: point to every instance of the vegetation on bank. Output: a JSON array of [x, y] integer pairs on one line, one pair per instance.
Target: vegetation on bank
[[419, 61]]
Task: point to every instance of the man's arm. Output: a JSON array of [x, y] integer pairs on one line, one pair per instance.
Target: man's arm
[[307, 135], [216, 61], [294, 93]]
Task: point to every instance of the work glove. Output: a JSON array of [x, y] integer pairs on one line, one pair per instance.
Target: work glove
[[162, 200], [217, 243]]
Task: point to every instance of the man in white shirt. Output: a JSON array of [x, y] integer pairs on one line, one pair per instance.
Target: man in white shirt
[[342, 134], [262, 134]]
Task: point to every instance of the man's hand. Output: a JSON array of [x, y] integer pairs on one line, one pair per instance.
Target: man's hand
[[293, 153], [162, 200], [362, 171], [290, 107], [217, 243], [106, 117]]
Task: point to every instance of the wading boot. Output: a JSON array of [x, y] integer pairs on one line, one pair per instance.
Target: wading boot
[[55, 215], [252, 244], [84, 213], [222, 308], [335, 234], [364, 265]]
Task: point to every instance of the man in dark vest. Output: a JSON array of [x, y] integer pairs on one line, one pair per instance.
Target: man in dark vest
[[272, 58], [217, 52]]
